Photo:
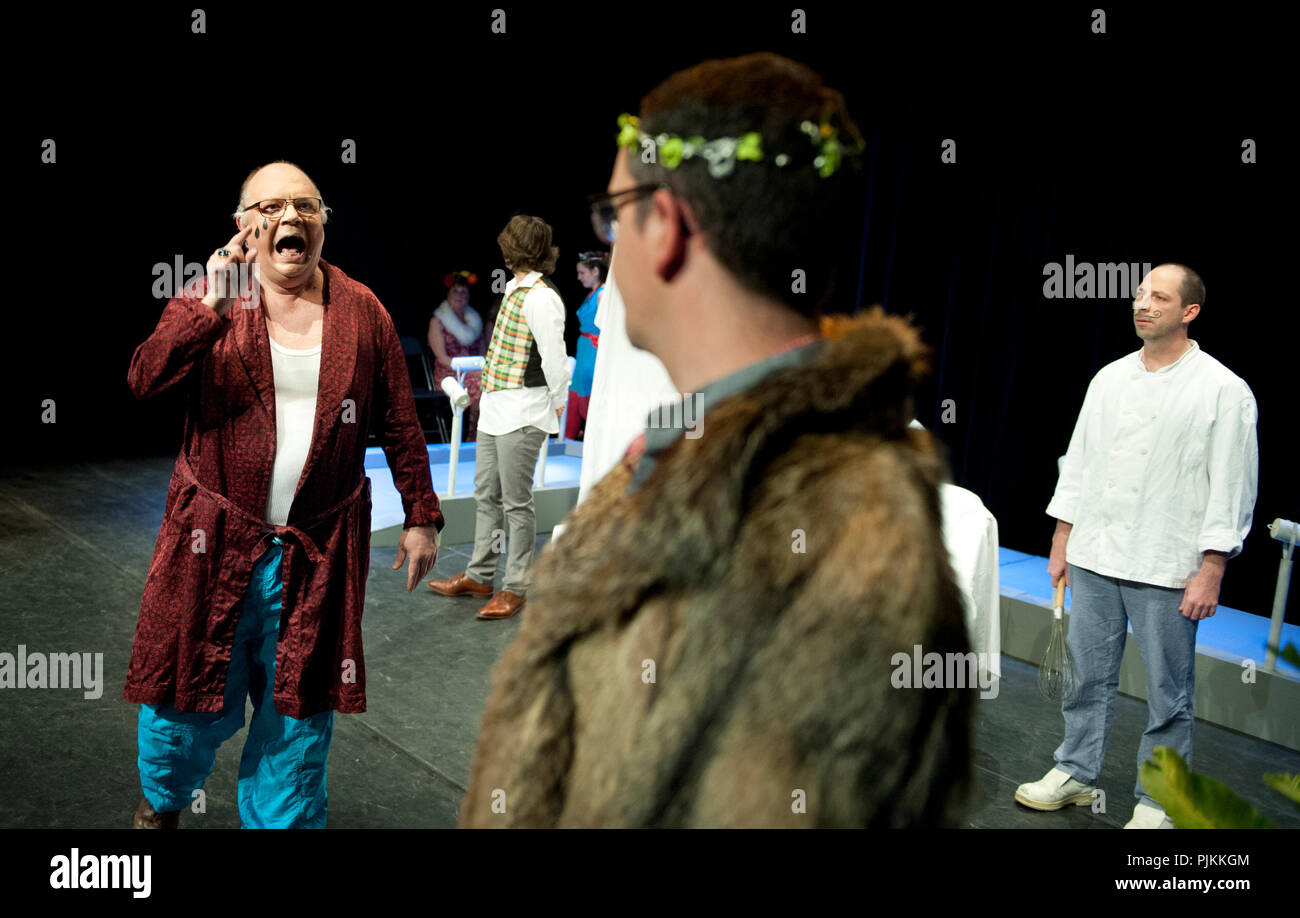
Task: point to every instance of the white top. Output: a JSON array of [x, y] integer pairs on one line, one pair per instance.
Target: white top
[[1162, 467], [627, 384], [297, 378], [504, 410], [970, 533]]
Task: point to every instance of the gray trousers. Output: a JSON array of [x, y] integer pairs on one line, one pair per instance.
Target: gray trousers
[[503, 492]]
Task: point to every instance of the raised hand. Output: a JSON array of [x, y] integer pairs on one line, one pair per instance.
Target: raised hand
[[223, 272]]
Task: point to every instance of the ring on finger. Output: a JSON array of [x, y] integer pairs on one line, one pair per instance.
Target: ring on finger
[[223, 252]]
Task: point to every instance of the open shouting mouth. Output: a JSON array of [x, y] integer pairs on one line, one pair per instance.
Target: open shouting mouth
[[291, 246]]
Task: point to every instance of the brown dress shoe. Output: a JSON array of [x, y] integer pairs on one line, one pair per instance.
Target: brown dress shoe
[[461, 585], [146, 817], [503, 605]]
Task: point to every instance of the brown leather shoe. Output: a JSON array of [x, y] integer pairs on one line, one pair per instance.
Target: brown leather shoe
[[461, 585], [503, 605], [146, 817]]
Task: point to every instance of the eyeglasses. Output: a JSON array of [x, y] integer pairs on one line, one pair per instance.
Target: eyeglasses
[[273, 207], [604, 212]]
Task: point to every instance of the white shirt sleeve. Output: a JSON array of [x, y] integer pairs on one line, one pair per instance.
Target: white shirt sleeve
[[1064, 505], [544, 313], [1232, 461]]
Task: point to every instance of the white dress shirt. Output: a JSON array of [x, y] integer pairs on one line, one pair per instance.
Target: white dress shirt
[[297, 377], [1162, 467], [504, 410]]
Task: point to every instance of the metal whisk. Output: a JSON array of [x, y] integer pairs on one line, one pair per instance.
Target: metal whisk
[[1056, 675]]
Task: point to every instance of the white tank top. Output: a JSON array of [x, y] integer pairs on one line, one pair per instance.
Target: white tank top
[[297, 378]]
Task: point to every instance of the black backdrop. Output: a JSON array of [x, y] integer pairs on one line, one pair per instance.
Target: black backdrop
[[1123, 147]]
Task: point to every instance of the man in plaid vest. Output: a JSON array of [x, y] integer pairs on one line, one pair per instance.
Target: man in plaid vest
[[525, 385]]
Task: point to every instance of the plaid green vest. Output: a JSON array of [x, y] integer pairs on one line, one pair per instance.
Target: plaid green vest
[[512, 361]]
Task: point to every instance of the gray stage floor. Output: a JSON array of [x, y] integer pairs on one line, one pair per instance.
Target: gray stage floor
[[75, 544]]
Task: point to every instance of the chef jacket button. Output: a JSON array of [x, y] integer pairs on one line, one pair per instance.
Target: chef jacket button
[[1144, 452]]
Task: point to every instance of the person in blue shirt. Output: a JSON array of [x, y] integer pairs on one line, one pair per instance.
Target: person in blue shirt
[[592, 268]]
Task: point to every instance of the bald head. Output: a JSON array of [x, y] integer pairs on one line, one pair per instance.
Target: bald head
[[280, 179], [1190, 286], [287, 236]]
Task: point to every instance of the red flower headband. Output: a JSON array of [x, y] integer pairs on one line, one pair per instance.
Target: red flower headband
[[466, 275]]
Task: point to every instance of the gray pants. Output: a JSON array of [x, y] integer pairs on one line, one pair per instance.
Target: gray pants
[[1099, 619], [503, 491]]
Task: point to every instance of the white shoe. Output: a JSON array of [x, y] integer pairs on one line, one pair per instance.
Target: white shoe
[[1146, 816], [1055, 790]]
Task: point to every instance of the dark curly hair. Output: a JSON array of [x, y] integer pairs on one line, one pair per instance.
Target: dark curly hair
[[762, 221]]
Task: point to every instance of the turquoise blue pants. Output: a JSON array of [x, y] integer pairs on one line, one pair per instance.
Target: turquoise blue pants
[[282, 771]]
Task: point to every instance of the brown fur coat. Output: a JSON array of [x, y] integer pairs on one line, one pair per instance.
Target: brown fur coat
[[771, 702]]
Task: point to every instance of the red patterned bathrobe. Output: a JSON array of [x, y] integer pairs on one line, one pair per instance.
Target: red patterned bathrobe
[[214, 525]]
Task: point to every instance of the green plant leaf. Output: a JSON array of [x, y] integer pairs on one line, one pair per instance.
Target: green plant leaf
[[1288, 653], [628, 129], [670, 152], [750, 147], [1286, 784], [1195, 801]]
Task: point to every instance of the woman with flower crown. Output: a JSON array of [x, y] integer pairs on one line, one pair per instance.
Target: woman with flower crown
[[456, 330]]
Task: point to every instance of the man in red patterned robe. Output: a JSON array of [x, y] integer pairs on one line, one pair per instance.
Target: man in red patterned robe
[[258, 576]]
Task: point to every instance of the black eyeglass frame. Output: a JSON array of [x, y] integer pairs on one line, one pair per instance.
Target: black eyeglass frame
[[604, 212]]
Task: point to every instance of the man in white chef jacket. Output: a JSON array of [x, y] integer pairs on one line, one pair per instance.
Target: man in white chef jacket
[[1155, 496]]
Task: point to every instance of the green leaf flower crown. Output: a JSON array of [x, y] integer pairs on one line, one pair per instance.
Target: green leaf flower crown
[[722, 153]]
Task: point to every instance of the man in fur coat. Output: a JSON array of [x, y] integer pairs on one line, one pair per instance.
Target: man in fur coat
[[716, 640]]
